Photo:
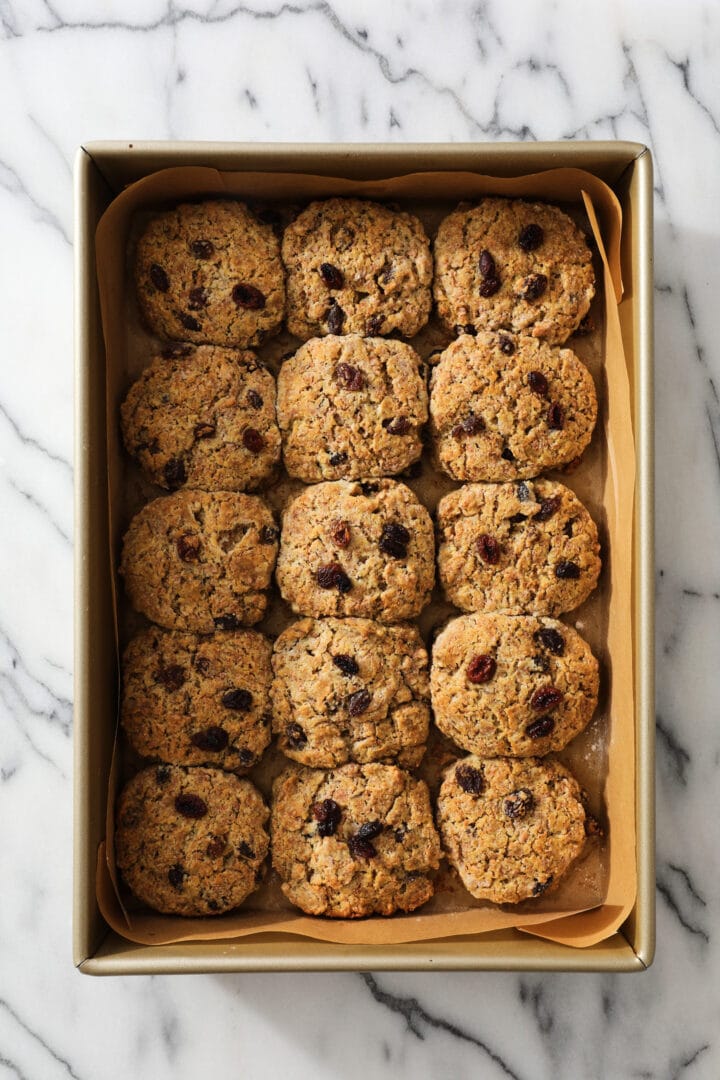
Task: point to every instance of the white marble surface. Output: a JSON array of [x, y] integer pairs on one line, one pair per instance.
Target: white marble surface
[[73, 70]]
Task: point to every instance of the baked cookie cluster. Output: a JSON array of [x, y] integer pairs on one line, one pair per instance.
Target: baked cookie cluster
[[347, 687]]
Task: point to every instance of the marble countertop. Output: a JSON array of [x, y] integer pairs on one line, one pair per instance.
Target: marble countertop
[[76, 70]]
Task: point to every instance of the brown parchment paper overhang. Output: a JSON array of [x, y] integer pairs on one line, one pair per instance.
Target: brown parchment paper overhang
[[574, 927]]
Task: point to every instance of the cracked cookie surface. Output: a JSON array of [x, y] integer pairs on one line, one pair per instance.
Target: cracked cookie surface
[[529, 547], [190, 841], [510, 827], [509, 264], [203, 418], [200, 560], [357, 548], [351, 407], [359, 840], [356, 267], [496, 415], [350, 690], [198, 700], [210, 273], [514, 685]]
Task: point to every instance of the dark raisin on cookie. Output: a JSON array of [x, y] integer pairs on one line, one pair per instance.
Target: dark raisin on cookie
[[296, 737], [247, 296], [359, 702], [349, 377], [488, 549], [189, 547], [335, 319], [254, 399], [519, 804], [340, 533], [174, 473], [189, 322], [238, 699], [328, 815], [481, 669], [159, 278], [253, 440], [202, 249], [347, 664], [566, 570], [176, 876], [551, 639], [538, 383], [531, 237], [268, 534], [190, 806], [171, 677], [548, 507], [394, 540], [535, 286], [331, 275], [332, 576], [546, 698], [469, 779], [538, 729], [213, 739]]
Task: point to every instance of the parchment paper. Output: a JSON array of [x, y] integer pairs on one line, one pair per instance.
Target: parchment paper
[[598, 893]]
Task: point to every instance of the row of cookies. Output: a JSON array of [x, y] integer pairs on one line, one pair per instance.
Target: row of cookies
[[213, 273]]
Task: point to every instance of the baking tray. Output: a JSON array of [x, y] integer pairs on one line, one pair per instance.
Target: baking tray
[[102, 169]]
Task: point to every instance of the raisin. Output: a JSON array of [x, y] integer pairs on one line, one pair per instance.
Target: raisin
[[347, 664], [332, 277], [487, 264], [515, 519], [340, 533], [568, 527], [247, 296], [488, 549], [566, 570], [368, 488], [159, 278], [531, 237], [469, 779], [268, 534], [538, 729], [358, 702], [540, 663], [216, 847], [227, 622], [399, 425], [361, 849], [471, 425], [507, 454], [176, 876], [546, 698], [335, 319], [213, 738], [338, 458], [400, 834], [296, 737], [553, 641], [328, 816], [489, 286], [188, 321], [202, 249], [245, 850], [171, 677], [162, 774], [538, 383], [523, 491], [239, 700], [481, 669], [349, 377], [519, 804], [555, 417], [507, 345], [198, 298], [540, 886], [464, 328], [548, 507], [369, 830], [174, 473], [535, 286], [246, 757], [394, 540], [253, 440], [191, 806], [374, 325], [254, 399], [332, 576], [189, 547]]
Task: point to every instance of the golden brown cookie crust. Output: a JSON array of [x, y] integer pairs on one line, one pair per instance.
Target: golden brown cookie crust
[[203, 418], [210, 273], [509, 264], [350, 690], [198, 700], [200, 560], [357, 548], [356, 267], [510, 827], [356, 841], [512, 685], [190, 841], [497, 415], [529, 547], [351, 407]]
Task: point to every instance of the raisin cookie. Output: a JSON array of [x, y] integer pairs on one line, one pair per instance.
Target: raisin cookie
[[507, 264], [200, 560], [203, 417], [363, 548], [357, 841], [192, 700], [512, 685], [210, 272], [356, 267], [504, 408], [190, 841], [526, 547], [350, 690], [510, 827], [351, 407]]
